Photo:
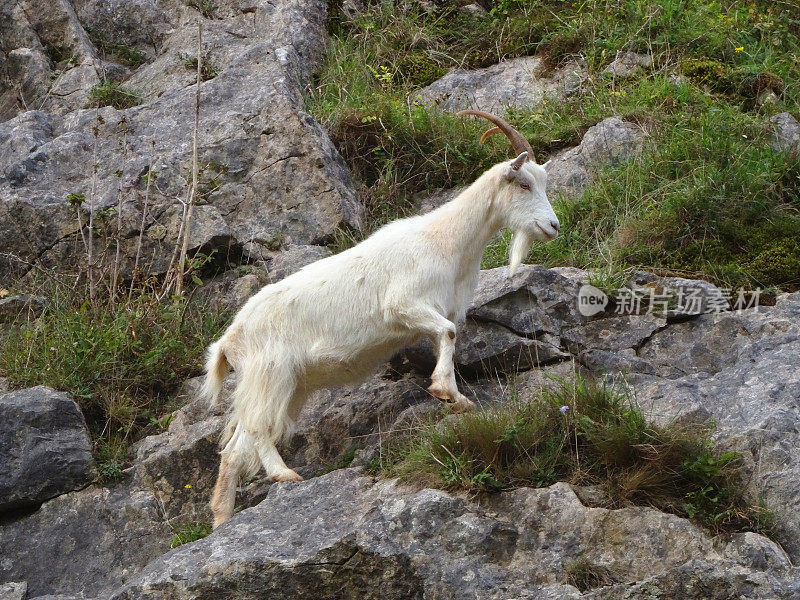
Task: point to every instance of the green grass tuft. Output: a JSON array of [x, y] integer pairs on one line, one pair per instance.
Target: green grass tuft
[[119, 53], [586, 575], [109, 93], [586, 434], [208, 70], [190, 532], [207, 8], [123, 362]]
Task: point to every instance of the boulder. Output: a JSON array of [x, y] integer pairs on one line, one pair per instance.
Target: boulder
[[24, 306], [348, 536], [45, 447], [607, 143], [179, 466], [514, 83], [786, 132], [84, 543], [628, 64]]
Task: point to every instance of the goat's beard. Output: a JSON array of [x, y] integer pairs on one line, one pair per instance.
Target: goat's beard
[[520, 244]]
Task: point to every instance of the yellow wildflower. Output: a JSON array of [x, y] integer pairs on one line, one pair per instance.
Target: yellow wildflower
[[739, 49]]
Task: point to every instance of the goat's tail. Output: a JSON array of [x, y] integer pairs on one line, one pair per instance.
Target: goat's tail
[[217, 368]]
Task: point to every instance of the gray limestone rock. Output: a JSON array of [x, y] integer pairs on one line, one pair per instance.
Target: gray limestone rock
[[628, 64], [268, 170], [344, 535], [45, 447], [513, 83], [787, 132], [607, 143]]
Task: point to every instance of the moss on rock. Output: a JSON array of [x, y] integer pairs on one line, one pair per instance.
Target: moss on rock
[[419, 69]]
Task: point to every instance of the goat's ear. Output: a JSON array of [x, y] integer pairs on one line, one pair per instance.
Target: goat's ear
[[516, 165], [547, 163]]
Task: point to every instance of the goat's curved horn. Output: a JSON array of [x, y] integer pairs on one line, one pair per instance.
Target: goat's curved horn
[[517, 140], [489, 133]]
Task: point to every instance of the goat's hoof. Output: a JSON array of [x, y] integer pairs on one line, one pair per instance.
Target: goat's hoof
[[286, 475], [462, 405], [439, 391]]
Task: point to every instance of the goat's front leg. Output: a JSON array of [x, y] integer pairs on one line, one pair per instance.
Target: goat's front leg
[[442, 333]]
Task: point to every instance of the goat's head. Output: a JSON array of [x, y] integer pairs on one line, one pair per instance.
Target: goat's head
[[523, 199]]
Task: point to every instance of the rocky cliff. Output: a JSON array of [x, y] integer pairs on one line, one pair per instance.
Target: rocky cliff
[[274, 193], [347, 534]]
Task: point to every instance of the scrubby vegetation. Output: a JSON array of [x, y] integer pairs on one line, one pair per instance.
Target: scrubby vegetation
[[586, 575], [208, 70], [114, 51], [207, 8], [190, 532], [123, 360], [708, 197], [110, 93], [586, 434]]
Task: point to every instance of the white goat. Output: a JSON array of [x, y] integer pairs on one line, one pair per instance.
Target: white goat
[[334, 321]]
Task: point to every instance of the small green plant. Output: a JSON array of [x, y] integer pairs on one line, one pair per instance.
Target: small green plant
[[610, 279], [111, 452], [110, 93], [383, 75], [194, 265], [76, 199], [208, 70], [120, 53], [586, 434], [162, 423], [207, 8], [190, 532], [342, 463], [110, 470], [586, 575]]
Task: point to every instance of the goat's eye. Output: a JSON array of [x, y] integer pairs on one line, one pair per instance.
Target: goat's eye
[[525, 186]]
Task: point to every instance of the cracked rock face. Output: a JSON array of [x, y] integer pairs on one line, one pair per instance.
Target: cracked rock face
[[109, 533], [741, 371], [347, 536], [270, 175]]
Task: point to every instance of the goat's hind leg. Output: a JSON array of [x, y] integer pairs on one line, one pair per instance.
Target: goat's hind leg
[[268, 419], [224, 497], [272, 461]]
